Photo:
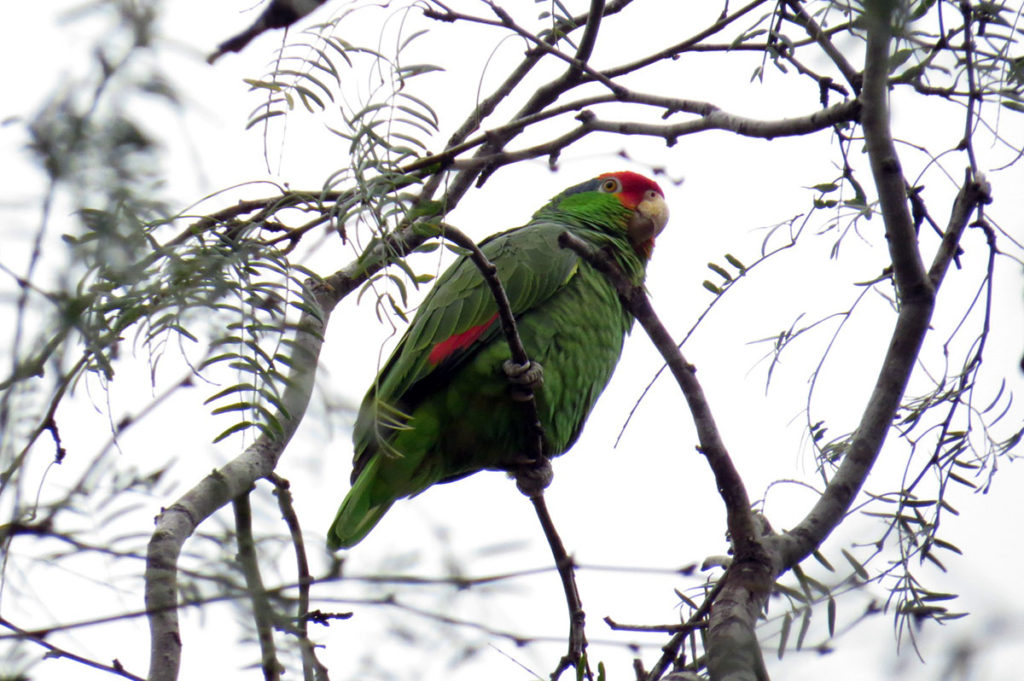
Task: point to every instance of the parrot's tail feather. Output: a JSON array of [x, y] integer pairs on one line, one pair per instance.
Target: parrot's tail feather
[[351, 526], [359, 512]]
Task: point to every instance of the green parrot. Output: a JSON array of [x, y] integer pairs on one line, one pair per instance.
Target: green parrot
[[443, 406]]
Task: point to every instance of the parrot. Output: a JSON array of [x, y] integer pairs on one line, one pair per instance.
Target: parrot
[[443, 405]]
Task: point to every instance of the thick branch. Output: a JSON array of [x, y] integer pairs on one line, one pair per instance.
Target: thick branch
[[176, 524], [908, 269], [734, 653], [917, 289]]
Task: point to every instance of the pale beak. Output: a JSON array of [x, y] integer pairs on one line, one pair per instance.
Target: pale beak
[[649, 217]]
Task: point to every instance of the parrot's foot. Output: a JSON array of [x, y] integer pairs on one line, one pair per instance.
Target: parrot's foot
[[526, 379], [532, 477]]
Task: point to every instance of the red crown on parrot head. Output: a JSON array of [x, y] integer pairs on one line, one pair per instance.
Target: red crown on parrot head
[[634, 186]]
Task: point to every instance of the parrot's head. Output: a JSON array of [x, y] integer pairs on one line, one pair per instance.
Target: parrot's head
[[619, 202], [644, 198]]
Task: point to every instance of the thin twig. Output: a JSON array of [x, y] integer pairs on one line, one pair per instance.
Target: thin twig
[[262, 613], [312, 668], [730, 485], [566, 570], [55, 651], [526, 476], [732, 643], [670, 651], [508, 326], [821, 36]]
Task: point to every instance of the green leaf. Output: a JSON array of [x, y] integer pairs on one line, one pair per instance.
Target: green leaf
[[787, 622], [235, 406], [735, 262], [927, 555], [921, 9], [792, 593], [898, 58], [262, 117], [233, 429], [821, 559], [831, 617], [720, 271], [711, 287], [242, 387], [963, 481], [804, 626], [416, 70], [946, 545], [855, 564]]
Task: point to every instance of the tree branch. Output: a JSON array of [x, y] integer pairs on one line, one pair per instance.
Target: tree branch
[[713, 120], [533, 477], [822, 38], [908, 269], [262, 613], [55, 651], [312, 668], [176, 523], [733, 650], [917, 289]]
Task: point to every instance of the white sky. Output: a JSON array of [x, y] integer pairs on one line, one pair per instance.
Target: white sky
[[650, 502]]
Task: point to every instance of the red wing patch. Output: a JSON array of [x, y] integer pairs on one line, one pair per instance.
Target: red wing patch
[[459, 341]]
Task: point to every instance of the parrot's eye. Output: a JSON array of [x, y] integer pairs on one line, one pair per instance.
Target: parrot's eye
[[611, 186], [651, 194]]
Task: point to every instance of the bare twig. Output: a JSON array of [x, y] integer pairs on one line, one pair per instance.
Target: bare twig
[[262, 613], [689, 43], [312, 668], [732, 643], [567, 571], [55, 651], [527, 476], [508, 326], [822, 38], [714, 120]]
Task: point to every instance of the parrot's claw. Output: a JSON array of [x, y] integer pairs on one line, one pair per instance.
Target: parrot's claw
[[533, 477], [526, 379]]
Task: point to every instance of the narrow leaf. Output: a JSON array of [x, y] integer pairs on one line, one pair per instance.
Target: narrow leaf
[[855, 564], [787, 622]]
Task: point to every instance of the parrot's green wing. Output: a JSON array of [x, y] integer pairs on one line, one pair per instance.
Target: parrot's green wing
[[457, 318]]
